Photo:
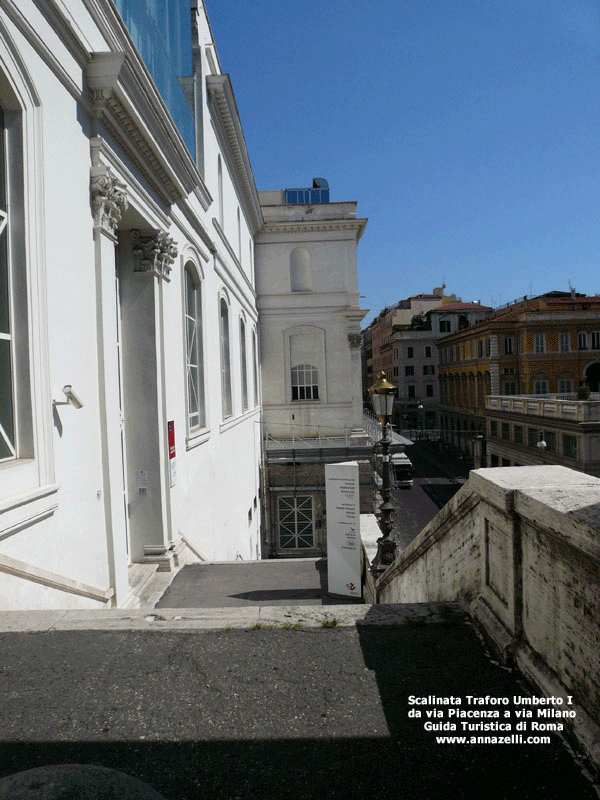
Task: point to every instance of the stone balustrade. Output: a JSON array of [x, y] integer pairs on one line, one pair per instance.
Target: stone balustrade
[[521, 546]]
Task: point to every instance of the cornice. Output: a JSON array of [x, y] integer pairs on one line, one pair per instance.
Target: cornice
[[224, 108], [357, 226], [128, 104]]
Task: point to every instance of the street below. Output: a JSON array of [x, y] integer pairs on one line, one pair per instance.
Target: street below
[[436, 480]]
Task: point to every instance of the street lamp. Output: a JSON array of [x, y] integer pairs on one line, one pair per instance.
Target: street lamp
[[542, 444], [420, 421], [382, 397]]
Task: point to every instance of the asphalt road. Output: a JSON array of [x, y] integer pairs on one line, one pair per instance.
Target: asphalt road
[[435, 482], [317, 714]]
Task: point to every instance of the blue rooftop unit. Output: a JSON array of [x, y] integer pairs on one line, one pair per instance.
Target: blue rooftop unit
[[318, 193], [162, 32]]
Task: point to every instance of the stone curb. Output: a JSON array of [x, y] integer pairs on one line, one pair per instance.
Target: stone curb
[[207, 619]]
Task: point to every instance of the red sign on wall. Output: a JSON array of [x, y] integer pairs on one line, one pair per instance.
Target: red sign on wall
[[171, 428]]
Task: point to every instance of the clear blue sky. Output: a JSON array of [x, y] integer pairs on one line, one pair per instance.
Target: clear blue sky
[[467, 130]]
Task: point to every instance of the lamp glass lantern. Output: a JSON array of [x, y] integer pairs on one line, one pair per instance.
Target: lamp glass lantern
[[382, 396]]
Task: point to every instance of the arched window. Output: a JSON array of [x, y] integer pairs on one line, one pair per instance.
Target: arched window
[[300, 270], [305, 382], [226, 395], [243, 365], [16, 431], [194, 353], [7, 422]]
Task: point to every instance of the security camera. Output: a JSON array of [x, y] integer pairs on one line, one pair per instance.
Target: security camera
[[72, 397]]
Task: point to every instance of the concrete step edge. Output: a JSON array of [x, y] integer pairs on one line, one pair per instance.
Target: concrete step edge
[[205, 619]]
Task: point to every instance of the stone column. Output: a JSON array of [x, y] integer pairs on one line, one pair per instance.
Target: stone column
[[109, 201], [355, 341], [146, 261]]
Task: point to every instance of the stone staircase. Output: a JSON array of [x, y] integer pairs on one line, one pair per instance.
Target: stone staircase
[[271, 702]]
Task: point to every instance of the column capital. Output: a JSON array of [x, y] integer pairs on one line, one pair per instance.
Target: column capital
[[154, 252], [109, 198]]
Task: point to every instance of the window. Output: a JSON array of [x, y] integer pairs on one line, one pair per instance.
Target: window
[[533, 436], [16, 429], [508, 345], [194, 357], [518, 434], [410, 352], [457, 353], [505, 431], [427, 351], [540, 386], [243, 365], [565, 385], [493, 429], [495, 460], [488, 347], [445, 326], [480, 348], [595, 340], [429, 369], [296, 522], [510, 387], [226, 397], [305, 382], [7, 421], [550, 439], [563, 342], [410, 370], [411, 391], [255, 368], [569, 446], [429, 390], [582, 343], [540, 344]]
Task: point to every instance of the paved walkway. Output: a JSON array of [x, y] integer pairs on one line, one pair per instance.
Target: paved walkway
[[200, 704], [273, 582]]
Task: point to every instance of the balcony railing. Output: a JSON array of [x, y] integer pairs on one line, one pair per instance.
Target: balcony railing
[[557, 406]]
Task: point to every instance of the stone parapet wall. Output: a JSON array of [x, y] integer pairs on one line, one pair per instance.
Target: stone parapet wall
[[522, 546]]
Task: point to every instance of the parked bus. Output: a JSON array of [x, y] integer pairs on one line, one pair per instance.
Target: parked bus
[[403, 470]]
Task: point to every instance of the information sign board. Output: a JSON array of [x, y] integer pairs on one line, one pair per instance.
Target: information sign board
[[343, 529]]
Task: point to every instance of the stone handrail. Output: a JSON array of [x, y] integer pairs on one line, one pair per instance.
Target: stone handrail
[[521, 545]]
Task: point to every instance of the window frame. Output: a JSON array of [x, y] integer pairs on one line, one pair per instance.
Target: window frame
[[298, 388], [225, 353], [539, 343], [243, 364], [192, 276]]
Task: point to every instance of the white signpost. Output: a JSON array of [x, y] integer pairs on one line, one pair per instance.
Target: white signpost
[[343, 529]]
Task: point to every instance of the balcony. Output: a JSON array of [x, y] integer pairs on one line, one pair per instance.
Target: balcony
[[565, 407]]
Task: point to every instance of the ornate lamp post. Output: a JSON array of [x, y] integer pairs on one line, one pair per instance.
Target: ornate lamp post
[[382, 396]]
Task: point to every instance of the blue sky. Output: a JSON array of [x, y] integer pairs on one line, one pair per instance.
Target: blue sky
[[467, 130]]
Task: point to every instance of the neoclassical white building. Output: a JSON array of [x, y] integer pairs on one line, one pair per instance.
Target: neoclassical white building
[[129, 381], [308, 300], [131, 430]]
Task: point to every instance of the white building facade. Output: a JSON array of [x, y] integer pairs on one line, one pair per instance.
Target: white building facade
[[130, 397], [308, 300]]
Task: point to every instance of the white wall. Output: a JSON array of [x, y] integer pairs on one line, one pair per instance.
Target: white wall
[[63, 518]]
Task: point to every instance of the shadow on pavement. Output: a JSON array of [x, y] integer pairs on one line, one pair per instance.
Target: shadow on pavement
[[446, 659]]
